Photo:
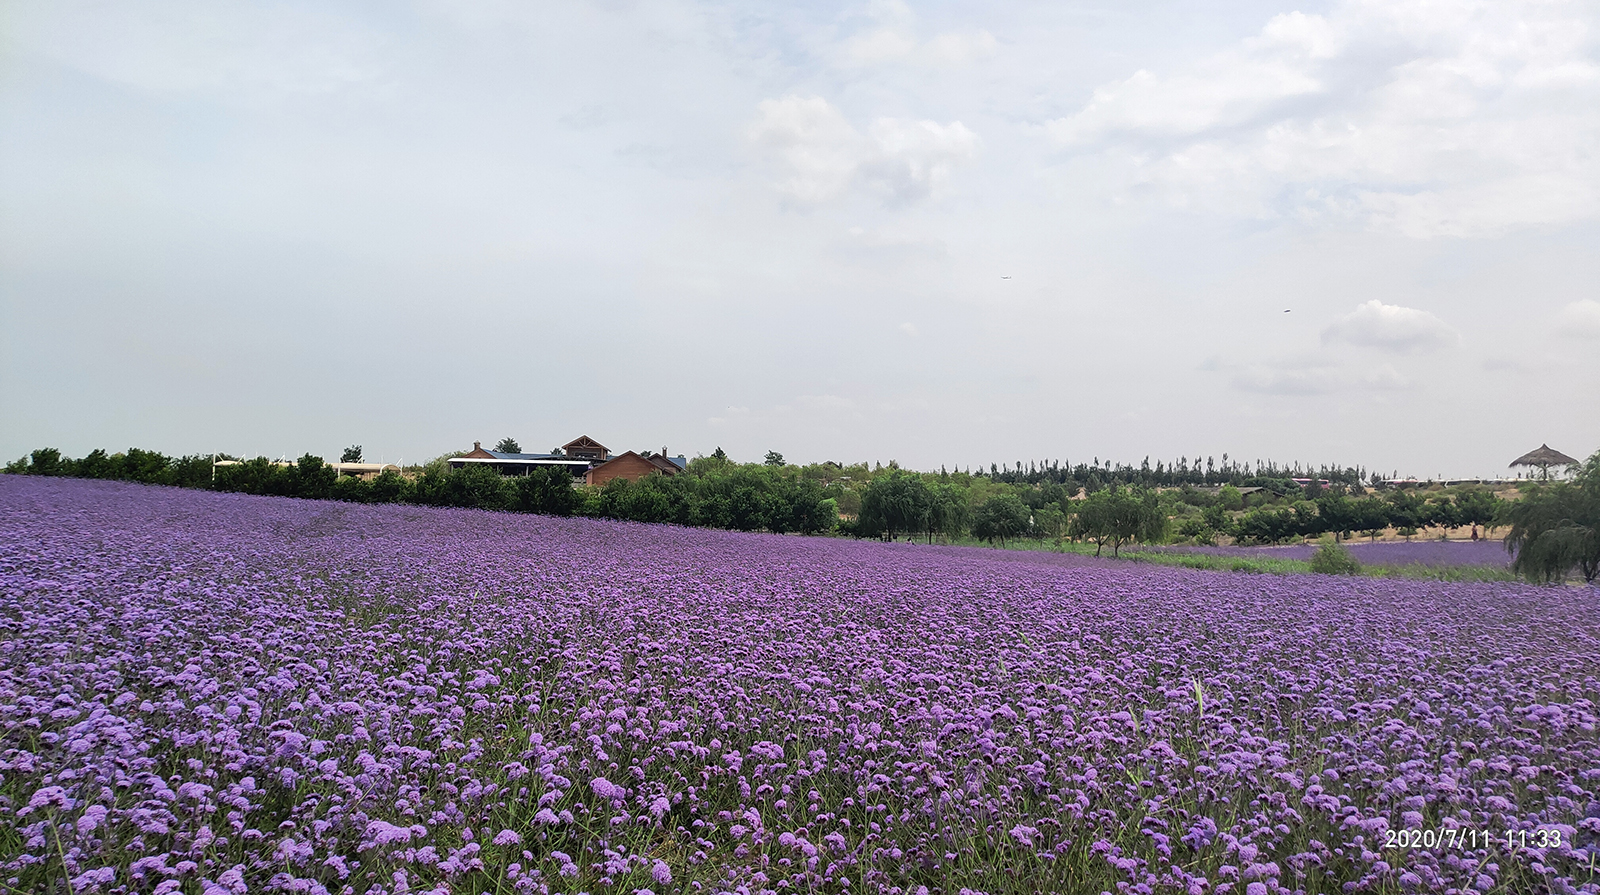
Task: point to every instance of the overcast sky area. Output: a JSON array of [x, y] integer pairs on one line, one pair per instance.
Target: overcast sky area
[[280, 228]]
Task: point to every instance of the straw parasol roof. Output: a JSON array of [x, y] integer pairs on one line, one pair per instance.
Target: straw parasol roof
[[1544, 458]]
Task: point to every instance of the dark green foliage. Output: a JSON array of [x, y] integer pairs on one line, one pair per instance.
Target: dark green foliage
[[718, 494], [508, 445], [1478, 508], [45, 461], [1268, 525], [1407, 509], [773, 458], [388, 487], [352, 454], [258, 476], [1371, 516], [897, 502], [1116, 516], [475, 486], [1555, 528], [351, 489], [1000, 517], [1333, 558], [1229, 498], [312, 478], [191, 471], [547, 490]]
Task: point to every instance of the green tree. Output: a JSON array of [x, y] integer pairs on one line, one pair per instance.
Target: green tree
[[352, 454], [1230, 498], [1337, 513], [388, 487], [507, 445], [1002, 516], [1443, 513], [191, 471], [351, 489], [1118, 515], [476, 486], [895, 502], [949, 510], [1556, 528], [547, 490], [1407, 509], [773, 458], [149, 467], [45, 461], [1477, 508], [311, 477], [1371, 516], [1268, 525]]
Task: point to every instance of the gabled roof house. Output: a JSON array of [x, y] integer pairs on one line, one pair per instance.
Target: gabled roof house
[[517, 464], [633, 467]]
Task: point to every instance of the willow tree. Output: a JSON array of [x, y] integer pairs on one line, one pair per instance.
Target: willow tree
[[1556, 528]]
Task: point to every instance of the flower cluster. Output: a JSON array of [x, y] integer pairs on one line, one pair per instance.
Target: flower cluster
[[223, 694]]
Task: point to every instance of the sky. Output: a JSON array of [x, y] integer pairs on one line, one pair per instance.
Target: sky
[[944, 233]]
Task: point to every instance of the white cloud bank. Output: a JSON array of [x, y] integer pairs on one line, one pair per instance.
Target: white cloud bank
[[1428, 118], [821, 155], [1391, 327]]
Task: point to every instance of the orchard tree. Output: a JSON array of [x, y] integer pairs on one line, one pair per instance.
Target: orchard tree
[[1118, 515]]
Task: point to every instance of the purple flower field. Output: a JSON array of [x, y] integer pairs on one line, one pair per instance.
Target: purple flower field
[[217, 693], [1382, 553]]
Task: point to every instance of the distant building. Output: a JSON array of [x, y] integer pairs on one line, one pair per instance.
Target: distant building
[[586, 448], [633, 467], [519, 464], [365, 471]]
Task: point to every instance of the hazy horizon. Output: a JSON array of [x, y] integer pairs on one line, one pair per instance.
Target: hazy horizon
[[1339, 232]]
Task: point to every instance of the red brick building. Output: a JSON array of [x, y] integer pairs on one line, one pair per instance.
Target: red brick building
[[633, 467]]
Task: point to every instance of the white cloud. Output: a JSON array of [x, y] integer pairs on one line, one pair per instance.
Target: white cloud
[[816, 146], [1391, 327], [1461, 118], [1581, 319], [1228, 90], [821, 154]]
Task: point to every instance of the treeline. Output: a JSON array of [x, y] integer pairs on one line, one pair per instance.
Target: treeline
[[149, 467], [949, 505], [884, 502], [713, 493], [1317, 511], [1206, 472]]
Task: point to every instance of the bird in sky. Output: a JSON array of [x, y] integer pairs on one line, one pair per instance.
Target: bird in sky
[[1005, 278], [1287, 310]]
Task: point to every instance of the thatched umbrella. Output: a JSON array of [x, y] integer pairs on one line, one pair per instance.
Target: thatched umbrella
[[1544, 458]]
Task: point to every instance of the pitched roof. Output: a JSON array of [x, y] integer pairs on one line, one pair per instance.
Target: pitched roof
[[668, 464], [1544, 455]]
